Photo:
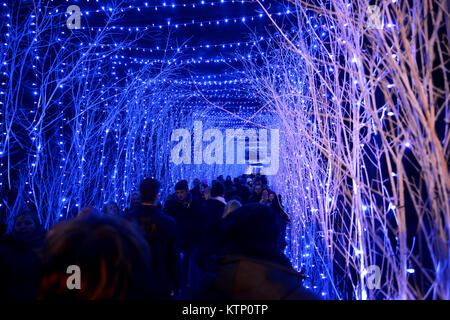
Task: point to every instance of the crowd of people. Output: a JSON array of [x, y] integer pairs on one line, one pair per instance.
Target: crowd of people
[[223, 240]]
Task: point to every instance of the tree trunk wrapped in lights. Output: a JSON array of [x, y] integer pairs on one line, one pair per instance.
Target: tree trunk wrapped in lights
[[78, 126], [361, 96]]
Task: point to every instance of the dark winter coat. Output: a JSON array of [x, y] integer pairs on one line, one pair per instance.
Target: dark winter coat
[[243, 192], [211, 241], [246, 272], [196, 194], [188, 218], [161, 233], [254, 198], [20, 267]]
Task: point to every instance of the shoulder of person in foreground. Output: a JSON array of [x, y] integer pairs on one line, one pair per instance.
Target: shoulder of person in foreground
[[241, 277]]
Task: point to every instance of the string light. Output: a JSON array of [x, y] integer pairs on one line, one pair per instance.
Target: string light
[[115, 152], [187, 48], [192, 22]]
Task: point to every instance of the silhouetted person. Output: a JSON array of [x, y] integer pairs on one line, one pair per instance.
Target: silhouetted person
[[207, 193], [212, 213], [228, 183], [243, 190], [213, 208], [277, 207], [265, 198], [257, 193], [187, 213], [20, 264], [202, 192], [257, 180], [113, 260], [196, 182], [251, 264], [230, 189], [161, 233], [264, 180], [135, 202], [196, 191]]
